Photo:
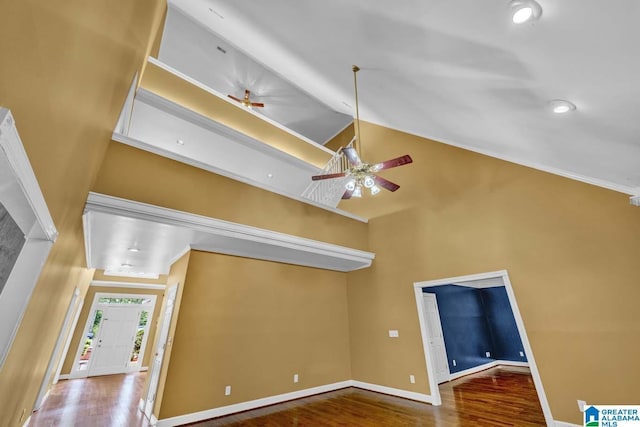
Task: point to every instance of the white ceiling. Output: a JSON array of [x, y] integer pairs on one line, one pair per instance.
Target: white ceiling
[[197, 52], [462, 73]]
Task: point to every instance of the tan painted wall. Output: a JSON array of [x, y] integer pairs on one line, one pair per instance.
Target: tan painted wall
[[84, 313], [138, 175], [342, 139], [66, 68], [176, 277], [253, 324], [571, 250]]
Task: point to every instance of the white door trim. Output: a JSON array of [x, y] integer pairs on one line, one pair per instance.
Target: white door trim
[[161, 341], [67, 344], [435, 392]]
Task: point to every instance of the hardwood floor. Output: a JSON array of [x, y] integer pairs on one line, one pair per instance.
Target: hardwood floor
[[107, 401], [502, 396]]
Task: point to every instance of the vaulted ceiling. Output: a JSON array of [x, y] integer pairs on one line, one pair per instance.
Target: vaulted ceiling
[[462, 73], [458, 72]]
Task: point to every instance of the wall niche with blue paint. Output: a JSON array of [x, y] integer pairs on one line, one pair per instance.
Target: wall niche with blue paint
[[474, 322]]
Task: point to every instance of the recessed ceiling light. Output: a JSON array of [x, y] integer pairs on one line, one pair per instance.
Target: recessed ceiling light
[[133, 249], [524, 10], [561, 106], [125, 265], [269, 175], [180, 142]]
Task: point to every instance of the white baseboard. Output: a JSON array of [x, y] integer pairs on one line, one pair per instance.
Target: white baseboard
[[44, 399], [420, 397], [479, 368], [252, 404], [473, 370], [64, 377], [26, 423], [153, 421], [565, 424], [512, 363]]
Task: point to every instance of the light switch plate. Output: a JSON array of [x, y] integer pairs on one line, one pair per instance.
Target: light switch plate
[[227, 390], [393, 333]]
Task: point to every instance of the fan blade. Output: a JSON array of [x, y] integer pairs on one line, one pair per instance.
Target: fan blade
[[257, 104], [347, 195], [398, 161], [352, 156], [386, 184], [328, 176], [234, 98]]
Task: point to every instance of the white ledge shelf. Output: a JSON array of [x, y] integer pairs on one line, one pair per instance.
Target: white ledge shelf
[[191, 231]]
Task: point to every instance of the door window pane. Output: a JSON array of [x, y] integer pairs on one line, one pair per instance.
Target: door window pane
[[135, 353], [89, 340]]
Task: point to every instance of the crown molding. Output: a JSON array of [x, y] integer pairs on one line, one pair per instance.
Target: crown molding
[[620, 188]]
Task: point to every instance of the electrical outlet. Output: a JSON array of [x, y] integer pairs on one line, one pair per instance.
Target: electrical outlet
[[295, 378], [227, 390], [412, 379], [581, 405], [488, 353], [454, 362], [522, 354], [393, 333]]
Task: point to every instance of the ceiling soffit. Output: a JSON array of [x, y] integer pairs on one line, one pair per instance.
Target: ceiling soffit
[[138, 238]]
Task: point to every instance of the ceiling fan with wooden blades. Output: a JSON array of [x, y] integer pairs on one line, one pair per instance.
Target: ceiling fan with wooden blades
[[362, 174], [246, 101]]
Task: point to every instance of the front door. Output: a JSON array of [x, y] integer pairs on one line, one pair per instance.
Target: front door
[[436, 338], [115, 335], [114, 341]]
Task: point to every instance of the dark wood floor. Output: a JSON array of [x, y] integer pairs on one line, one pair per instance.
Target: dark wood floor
[[502, 396]]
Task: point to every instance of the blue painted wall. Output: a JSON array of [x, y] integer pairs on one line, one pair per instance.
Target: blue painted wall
[[475, 321], [507, 343]]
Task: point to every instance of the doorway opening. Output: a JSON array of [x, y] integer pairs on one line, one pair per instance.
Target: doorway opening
[[437, 360], [116, 334]]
